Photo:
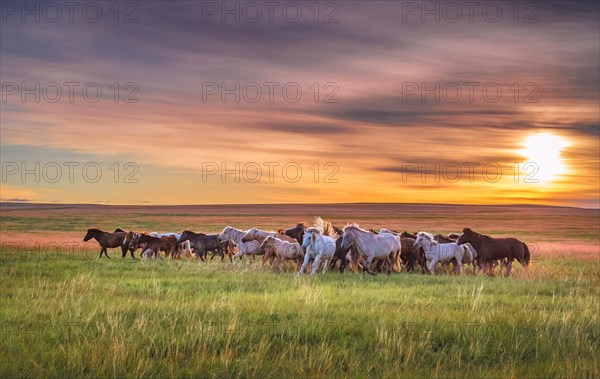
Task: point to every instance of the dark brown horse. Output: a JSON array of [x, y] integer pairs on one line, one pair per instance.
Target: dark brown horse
[[490, 249], [406, 234], [107, 240], [440, 238], [410, 255], [204, 243], [296, 232]]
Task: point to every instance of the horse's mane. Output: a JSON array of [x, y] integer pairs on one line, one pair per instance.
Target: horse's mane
[[95, 230], [117, 230], [471, 231], [302, 224], [326, 227], [354, 225], [429, 236]]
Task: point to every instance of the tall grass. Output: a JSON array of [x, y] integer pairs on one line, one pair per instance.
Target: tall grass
[[72, 315]]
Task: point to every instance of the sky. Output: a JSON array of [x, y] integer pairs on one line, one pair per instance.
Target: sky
[[190, 102]]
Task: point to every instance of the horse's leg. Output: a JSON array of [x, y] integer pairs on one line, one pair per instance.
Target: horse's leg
[[106, 253], [431, 266], [306, 259], [368, 266], [390, 262], [509, 266], [124, 250], [325, 265], [316, 264]]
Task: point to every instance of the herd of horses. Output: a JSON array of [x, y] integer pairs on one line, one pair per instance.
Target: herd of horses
[[324, 246]]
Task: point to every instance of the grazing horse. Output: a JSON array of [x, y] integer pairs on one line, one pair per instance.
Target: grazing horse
[[318, 246], [371, 246], [235, 236], [153, 245], [283, 250], [203, 243], [436, 252], [490, 249], [107, 240], [297, 232]]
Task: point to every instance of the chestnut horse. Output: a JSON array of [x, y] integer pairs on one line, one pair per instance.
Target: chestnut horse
[[490, 249], [151, 244], [107, 240]]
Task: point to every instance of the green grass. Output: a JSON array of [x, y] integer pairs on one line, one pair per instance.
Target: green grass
[[72, 315]]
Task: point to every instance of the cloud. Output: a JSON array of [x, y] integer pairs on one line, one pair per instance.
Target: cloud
[[171, 52]]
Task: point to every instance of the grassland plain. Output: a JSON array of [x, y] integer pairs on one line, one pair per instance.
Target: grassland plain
[[64, 313]]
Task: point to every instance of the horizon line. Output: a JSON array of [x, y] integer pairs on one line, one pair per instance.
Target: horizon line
[[2, 203]]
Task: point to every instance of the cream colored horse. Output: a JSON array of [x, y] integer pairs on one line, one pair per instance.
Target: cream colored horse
[[371, 246]]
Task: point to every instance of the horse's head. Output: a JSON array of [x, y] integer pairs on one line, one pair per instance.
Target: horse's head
[[250, 235], [90, 234], [406, 234], [225, 234], [422, 238], [296, 232], [134, 240], [267, 245], [466, 236], [310, 236], [185, 235], [347, 237]]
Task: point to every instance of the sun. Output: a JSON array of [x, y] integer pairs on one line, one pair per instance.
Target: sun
[[544, 151]]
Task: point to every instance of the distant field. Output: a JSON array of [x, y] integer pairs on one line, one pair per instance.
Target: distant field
[[66, 313]]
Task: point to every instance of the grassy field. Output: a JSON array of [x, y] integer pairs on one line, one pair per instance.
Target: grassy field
[[65, 313]]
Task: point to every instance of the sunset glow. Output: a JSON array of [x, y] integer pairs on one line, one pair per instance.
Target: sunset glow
[[544, 150], [181, 107]]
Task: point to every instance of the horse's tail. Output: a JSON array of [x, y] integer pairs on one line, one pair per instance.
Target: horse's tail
[[326, 227]]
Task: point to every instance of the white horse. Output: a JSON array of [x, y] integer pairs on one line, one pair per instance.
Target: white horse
[[284, 250], [184, 247], [441, 252], [317, 246], [236, 236], [371, 246]]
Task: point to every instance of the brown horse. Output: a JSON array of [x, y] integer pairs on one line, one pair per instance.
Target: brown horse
[[296, 232], [490, 249], [409, 255], [406, 234], [107, 240], [167, 244], [204, 243], [440, 238]]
